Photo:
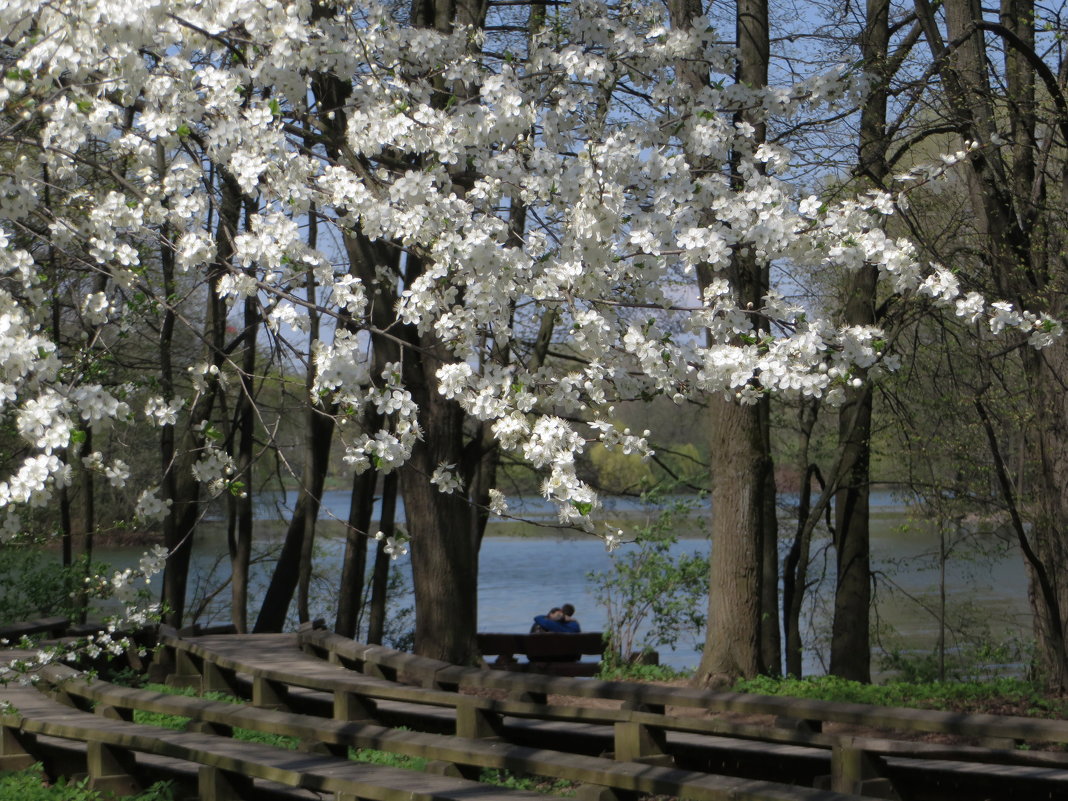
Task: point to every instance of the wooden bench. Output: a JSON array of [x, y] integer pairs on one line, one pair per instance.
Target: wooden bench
[[546, 652], [643, 723], [228, 766], [449, 754]]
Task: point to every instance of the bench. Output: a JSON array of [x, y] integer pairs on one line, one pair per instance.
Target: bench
[[461, 757], [546, 652], [227, 767], [642, 730]]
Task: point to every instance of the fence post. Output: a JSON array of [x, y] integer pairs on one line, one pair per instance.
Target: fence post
[[215, 784], [350, 706], [13, 753], [111, 769], [640, 742], [856, 771], [267, 694], [215, 679], [471, 721], [186, 671]]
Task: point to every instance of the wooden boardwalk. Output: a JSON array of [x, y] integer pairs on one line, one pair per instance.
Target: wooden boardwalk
[[614, 740]]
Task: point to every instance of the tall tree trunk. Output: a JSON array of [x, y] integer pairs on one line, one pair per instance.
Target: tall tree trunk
[[733, 645], [354, 565], [850, 629], [286, 576], [443, 556], [743, 617], [1049, 587], [795, 566], [850, 637], [376, 618], [311, 443], [240, 536], [180, 486]]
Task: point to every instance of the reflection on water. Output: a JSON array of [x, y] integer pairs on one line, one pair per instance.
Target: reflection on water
[[520, 576]]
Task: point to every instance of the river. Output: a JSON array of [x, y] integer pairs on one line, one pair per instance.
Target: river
[[527, 568]]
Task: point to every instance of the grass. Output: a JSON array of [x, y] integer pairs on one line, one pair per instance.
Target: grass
[[1002, 696], [652, 673], [499, 778], [32, 785]]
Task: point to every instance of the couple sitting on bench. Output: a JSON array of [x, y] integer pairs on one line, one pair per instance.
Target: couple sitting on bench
[[560, 620]]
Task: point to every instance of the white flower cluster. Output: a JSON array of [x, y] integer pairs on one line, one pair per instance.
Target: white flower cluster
[[215, 468], [587, 136], [395, 547], [161, 413], [150, 507], [446, 479]]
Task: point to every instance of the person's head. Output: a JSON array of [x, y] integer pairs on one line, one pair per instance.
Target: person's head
[[556, 613], [568, 610]]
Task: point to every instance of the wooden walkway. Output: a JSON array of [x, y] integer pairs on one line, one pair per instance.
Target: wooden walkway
[[614, 740]]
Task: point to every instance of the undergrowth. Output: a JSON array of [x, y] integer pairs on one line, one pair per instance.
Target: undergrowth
[[1016, 696], [500, 778], [632, 672], [32, 785]]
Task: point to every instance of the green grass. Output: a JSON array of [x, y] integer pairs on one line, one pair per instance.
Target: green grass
[[1013, 696], [387, 758], [500, 778], [179, 723], [536, 784], [31, 785], [626, 672]]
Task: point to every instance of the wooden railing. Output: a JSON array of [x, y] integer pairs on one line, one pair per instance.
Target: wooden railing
[[615, 740]]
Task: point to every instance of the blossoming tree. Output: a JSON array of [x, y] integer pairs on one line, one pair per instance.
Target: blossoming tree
[[482, 182]]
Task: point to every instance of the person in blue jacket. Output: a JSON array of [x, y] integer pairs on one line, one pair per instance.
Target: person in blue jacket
[[559, 620]]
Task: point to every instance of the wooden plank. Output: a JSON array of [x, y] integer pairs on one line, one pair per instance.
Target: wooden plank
[[548, 645], [491, 754], [40, 715], [623, 776], [912, 720]]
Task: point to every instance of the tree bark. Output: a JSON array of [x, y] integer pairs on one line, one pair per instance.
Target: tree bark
[[286, 576], [376, 617], [180, 486], [354, 566], [795, 566]]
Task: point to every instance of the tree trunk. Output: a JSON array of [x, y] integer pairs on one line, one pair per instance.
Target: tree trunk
[[284, 580], [376, 618], [732, 644], [239, 540], [850, 638], [795, 566], [850, 629], [743, 614], [354, 566], [180, 486], [444, 564], [1049, 532]]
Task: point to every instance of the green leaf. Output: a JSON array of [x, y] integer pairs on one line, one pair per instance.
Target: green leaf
[[583, 507], [184, 130]]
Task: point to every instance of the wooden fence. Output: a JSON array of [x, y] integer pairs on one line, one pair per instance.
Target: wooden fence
[[613, 740]]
